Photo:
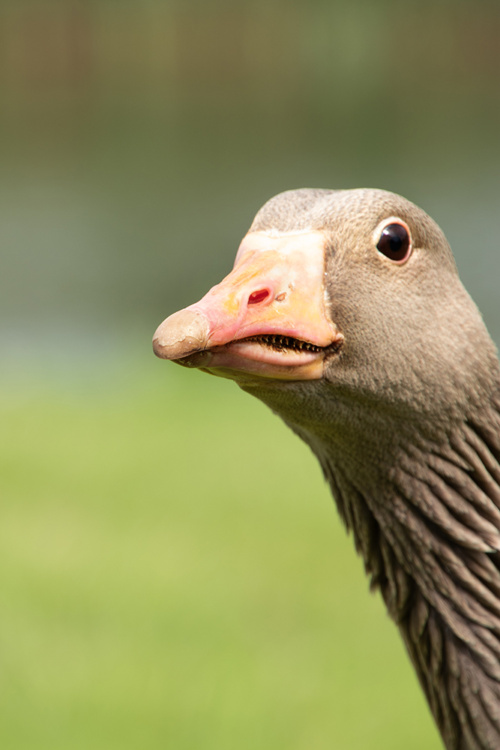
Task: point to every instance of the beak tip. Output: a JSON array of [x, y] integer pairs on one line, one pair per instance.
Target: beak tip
[[159, 347], [181, 334]]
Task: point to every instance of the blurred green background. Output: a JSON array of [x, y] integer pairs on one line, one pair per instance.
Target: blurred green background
[[173, 571]]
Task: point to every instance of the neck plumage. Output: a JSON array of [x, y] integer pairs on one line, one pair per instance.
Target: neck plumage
[[429, 532]]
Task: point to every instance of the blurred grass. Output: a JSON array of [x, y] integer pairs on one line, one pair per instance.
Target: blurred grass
[[173, 574]]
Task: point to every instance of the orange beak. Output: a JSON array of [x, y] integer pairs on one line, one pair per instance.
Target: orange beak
[[267, 318]]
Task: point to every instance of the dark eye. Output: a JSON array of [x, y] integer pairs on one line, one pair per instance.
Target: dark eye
[[395, 242]]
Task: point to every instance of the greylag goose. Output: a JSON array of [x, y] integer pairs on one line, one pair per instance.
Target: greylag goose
[[345, 314]]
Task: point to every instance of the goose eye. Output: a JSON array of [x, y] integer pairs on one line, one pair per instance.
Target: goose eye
[[395, 243]]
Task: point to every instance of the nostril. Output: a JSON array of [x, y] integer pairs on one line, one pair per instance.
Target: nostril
[[259, 296]]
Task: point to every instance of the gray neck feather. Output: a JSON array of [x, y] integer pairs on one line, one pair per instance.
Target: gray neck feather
[[429, 533]]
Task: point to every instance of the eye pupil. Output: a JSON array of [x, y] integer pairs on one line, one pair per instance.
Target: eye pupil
[[394, 242]]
